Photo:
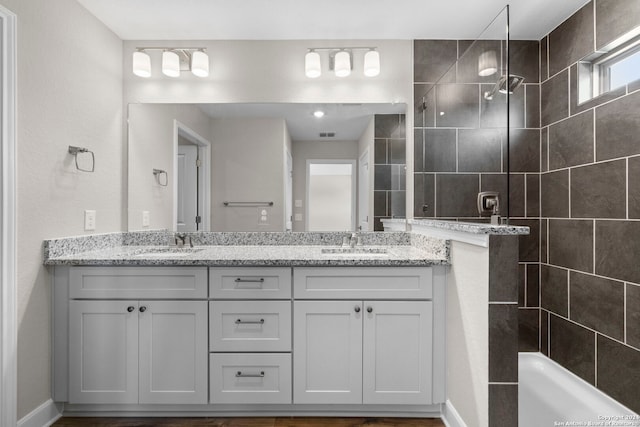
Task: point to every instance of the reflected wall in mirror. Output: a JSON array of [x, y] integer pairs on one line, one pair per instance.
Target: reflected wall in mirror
[[243, 167]]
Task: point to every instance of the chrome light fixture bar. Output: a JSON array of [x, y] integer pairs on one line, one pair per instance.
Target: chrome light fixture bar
[[174, 60], [341, 61]]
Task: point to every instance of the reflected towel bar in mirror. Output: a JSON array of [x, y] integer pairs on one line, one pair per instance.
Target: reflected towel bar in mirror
[[79, 150], [247, 204]]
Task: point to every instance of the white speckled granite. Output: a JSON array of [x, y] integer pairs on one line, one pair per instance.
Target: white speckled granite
[[245, 249], [466, 227]]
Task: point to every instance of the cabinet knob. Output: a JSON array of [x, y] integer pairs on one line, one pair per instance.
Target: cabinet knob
[[369, 309], [143, 309], [130, 308], [356, 309]]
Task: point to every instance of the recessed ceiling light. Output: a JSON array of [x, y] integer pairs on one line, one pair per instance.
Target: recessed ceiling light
[[318, 113]]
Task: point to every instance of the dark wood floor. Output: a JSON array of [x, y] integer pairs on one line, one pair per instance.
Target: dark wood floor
[[248, 422]]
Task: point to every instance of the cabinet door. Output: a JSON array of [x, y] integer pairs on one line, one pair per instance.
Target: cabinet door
[[103, 352], [397, 356], [173, 352], [327, 352]]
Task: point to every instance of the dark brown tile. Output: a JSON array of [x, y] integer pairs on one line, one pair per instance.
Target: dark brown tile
[[554, 187], [524, 59], [544, 59], [617, 249], [432, 59], [522, 291], [634, 187], [572, 40], [544, 149], [597, 303], [398, 151], [390, 126], [619, 372], [529, 248], [377, 223], [575, 108], [524, 150], [633, 315], [533, 195], [382, 177], [571, 141], [554, 100], [398, 177], [544, 244], [532, 106], [533, 285], [498, 182], [380, 203], [493, 111], [571, 244], [468, 62], [503, 268], [424, 114], [380, 156], [599, 190], [423, 195], [615, 18], [457, 105], [398, 204], [618, 128], [528, 329], [573, 347], [437, 150], [544, 332], [457, 195], [554, 290], [503, 405], [479, 150], [503, 342]]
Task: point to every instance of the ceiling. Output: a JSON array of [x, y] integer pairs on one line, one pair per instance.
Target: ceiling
[[325, 19], [347, 121]]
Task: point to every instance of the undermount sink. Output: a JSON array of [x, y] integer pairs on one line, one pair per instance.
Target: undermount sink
[[167, 252], [355, 251]]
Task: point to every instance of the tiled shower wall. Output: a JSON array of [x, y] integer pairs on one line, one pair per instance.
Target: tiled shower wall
[[389, 168], [590, 208]]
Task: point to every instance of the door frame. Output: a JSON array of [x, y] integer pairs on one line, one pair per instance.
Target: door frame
[[204, 176], [8, 292]]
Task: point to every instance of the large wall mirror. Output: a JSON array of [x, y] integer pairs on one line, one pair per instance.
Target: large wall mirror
[[264, 166]]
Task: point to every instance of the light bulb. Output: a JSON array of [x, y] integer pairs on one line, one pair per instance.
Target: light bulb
[[141, 64], [312, 67], [200, 63], [342, 64], [372, 63], [318, 113], [170, 64]]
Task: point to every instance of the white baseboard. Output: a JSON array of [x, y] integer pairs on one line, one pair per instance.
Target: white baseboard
[[43, 416], [450, 416]]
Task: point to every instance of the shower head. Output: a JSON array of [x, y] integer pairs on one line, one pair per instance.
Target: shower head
[[504, 85]]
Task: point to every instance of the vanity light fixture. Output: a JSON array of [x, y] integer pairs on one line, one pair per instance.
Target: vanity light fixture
[[174, 60], [487, 63], [341, 61]]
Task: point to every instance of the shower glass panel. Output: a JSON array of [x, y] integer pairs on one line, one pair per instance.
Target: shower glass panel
[[461, 138]]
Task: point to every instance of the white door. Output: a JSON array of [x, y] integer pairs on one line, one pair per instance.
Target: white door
[[103, 352], [397, 352], [288, 194], [173, 352], [327, 348], [363, 192], [331, 195], [187, 188]]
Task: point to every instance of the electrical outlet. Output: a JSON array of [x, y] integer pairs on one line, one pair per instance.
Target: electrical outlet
[[298, 217], [145, 218], [263, 217], [298, 203], [89, 220]]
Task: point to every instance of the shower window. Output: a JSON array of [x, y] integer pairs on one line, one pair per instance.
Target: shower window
[[604, 72]]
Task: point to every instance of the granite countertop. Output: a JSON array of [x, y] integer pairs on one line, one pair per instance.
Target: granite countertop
[[245, 249], [466, 227]]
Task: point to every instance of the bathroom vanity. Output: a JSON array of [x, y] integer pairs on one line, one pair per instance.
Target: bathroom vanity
[[252, 329]]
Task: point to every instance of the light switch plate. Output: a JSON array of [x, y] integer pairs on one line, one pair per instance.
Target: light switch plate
[[89, 220], [298, 203], [298, 217], [145, 218]]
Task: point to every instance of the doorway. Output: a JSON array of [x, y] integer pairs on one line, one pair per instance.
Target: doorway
[[331, 195]]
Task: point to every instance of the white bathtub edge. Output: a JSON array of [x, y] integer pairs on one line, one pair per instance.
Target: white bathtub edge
[[450, 416]]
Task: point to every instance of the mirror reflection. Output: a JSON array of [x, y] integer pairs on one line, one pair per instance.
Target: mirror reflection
[[265, 166]]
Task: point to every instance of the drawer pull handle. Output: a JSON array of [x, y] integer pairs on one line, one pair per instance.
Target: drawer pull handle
[[130, 308], [249, 322], [239, 374], [241, 280], [356, 309], [369, 309], [143, 309]]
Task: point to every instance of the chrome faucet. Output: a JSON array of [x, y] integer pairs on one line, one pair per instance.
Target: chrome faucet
[[354, 240], [181, 239]]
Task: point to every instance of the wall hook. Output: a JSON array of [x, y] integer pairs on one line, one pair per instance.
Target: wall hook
[[159, 173], [78, 150]]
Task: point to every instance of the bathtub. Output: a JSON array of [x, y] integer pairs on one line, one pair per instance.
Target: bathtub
[[550, 395]]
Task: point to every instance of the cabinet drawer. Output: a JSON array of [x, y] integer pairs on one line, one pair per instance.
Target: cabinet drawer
[[250, 325], [399, 283], [138, 282], [250, 283], [250, 378]]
